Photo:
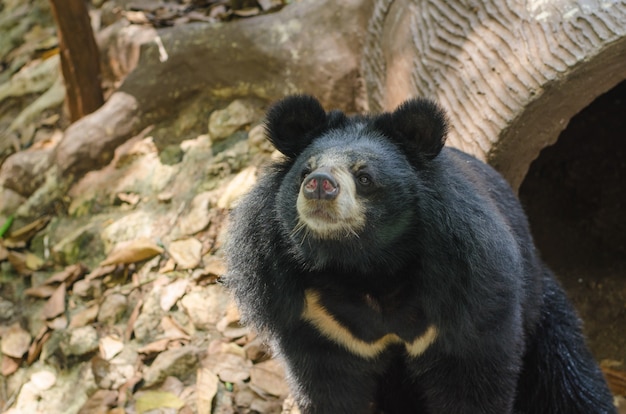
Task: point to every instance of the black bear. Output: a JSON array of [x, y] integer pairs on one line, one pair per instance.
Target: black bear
[[394, 275]]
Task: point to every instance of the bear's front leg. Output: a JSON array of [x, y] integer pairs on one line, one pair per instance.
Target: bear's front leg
[[326, 378], [472, 384]]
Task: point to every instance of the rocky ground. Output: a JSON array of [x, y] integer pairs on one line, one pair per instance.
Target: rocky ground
[[110, 303], [116, 307]]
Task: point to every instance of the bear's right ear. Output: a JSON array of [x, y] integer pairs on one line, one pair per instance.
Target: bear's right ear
[[291, 122], [419, 125]]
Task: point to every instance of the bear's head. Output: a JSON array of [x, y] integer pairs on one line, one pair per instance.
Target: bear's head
[[348, 194]]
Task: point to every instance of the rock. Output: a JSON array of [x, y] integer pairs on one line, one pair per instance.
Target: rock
[[171, 155], [135, 225], [238, 186], [173, 362], [48, 391], [80, 341], [257, 140], [25, 171], [240, 113], [198, 217], [36, 77], [110, 346], [113, 373], [186, 253], [7, 309], [9, 202], [112, 308], [79, 245], [205, 306], [147, 323], [43, 380]]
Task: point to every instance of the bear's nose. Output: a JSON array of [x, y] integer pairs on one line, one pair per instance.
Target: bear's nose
[[320, 185]]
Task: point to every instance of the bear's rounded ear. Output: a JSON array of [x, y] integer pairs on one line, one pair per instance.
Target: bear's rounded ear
[[291, 122], [421, 124]]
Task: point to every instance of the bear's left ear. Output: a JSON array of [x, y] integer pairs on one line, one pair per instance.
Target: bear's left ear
[[421, 124], [292, 121]]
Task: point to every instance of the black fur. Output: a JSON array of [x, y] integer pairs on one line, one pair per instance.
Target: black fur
[[445, 244]]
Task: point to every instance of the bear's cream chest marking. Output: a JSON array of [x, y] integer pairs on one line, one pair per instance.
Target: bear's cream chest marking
[[329, 325]]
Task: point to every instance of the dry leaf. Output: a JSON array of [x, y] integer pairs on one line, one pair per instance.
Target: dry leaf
[[4, 253], [269, 377], [15, 341], [154, 347], [231, 318], [186, 253], [41, 291], [34, 262], [169, 266], [130, 198], [18, 261], [214, 266], [616, 380], [132, 251], [68, 275], [228, 361], [99, 402], [172, 329], [57, 323], [55, 306], [130, 325], [37, 345], [172, 293], [9, 365], [100, 271], [19, 237], [206, 389], [84, 317], [151, 400], [247, 12]]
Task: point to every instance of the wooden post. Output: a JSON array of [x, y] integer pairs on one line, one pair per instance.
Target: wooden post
[[80, 61]]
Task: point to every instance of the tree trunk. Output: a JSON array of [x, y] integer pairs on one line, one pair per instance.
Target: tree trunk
[[80, 62], [510, 74]]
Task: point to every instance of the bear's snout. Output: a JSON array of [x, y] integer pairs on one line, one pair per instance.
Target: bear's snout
[[320, 185]]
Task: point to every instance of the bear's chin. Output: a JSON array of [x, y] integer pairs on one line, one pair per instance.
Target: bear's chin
[[324, 226]]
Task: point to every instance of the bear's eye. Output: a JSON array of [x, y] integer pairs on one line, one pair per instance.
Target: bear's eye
[[304, 173], [364, 179]]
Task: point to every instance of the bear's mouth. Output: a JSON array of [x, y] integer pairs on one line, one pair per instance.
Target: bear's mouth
[[321, 212], [325, 220]]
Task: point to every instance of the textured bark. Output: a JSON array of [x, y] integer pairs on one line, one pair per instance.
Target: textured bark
[[511, 74], [80, 62]]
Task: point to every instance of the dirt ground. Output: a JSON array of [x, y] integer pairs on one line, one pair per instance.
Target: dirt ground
[[575, 196]]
